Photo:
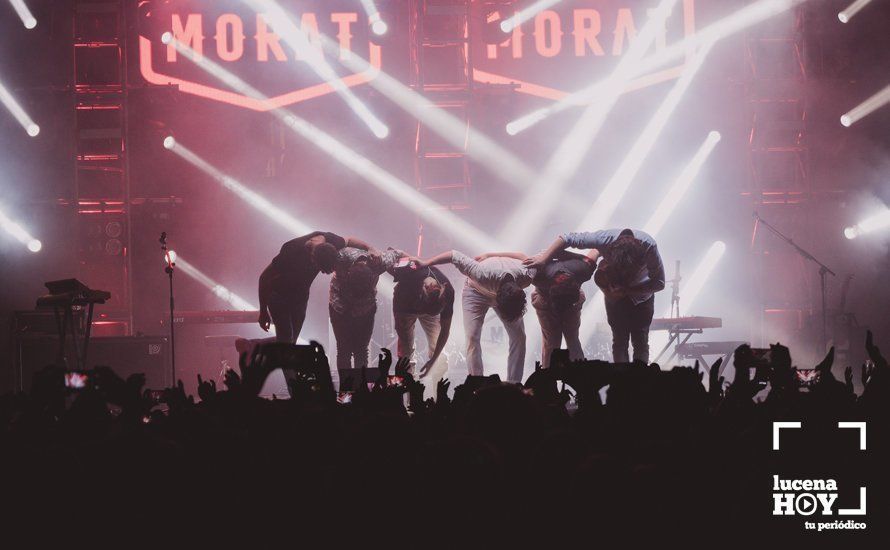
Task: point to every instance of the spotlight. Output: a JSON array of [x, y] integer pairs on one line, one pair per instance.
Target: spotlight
[[167, 37], [217, 289], [852, 10], [19, 233], [169, 142], [18, 112], [249, 196], [867, 107], [379, 27], [21, 9], [869, 225]]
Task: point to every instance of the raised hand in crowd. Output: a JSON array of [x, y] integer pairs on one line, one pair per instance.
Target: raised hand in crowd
[[206, 389]]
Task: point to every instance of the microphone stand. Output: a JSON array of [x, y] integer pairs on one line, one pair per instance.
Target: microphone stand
[[823, 270], [675, 292], [169, 271]]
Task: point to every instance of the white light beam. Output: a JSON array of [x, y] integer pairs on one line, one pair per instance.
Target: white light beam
[[538, 204], [18, 112], [869, 225], [484, 150], [614, 191], [28, 19], [867, 107], [731, 24], [287, 29], [403, 193], [19, 233], [219, 290], [678, 190], [851, 10], [526, 14]]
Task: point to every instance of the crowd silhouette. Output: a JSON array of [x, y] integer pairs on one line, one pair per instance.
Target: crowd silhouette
[[679, 450]]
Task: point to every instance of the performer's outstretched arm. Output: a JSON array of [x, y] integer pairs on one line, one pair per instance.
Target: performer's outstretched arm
[[541, 258], [443, 258], [355, 242], [265, 289]]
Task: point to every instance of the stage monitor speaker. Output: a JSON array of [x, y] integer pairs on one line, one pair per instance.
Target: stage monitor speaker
[[126, 355]]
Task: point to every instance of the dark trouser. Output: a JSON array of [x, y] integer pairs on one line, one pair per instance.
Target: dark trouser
[[288, 314], [353, 334], [630, 321]]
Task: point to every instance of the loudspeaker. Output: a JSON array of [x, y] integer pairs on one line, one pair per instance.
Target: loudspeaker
[[126, 355]]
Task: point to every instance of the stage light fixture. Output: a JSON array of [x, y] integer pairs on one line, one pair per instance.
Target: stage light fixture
[[21, 9], [540, 201], [867, 107], [485, 151], [282, 25], [615, 190], [378, 25], [405, 194], [869, 225], [18, 112], [746, 17], [852, 10], [681, 185], [507, 25], [18, 232], [169, 142]]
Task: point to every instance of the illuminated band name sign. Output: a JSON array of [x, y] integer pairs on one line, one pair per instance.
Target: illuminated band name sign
[[244, 44], [557, 51], [564, 48]]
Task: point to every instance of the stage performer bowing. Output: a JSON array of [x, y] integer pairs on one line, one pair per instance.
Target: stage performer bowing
[[497, 283], [558, 298], [629, 274], [284, 284], [424, 295]]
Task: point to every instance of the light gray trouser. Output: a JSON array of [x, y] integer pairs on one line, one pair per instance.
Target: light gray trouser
[[475, 306]]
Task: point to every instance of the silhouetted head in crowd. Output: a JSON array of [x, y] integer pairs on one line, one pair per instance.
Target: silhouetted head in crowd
[[624, 259], [360, 280], [511, 300], [564, 293], [324, 256]]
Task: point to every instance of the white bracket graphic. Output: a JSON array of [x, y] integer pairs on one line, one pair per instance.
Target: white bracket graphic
[[778, 426], [859, 426]]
